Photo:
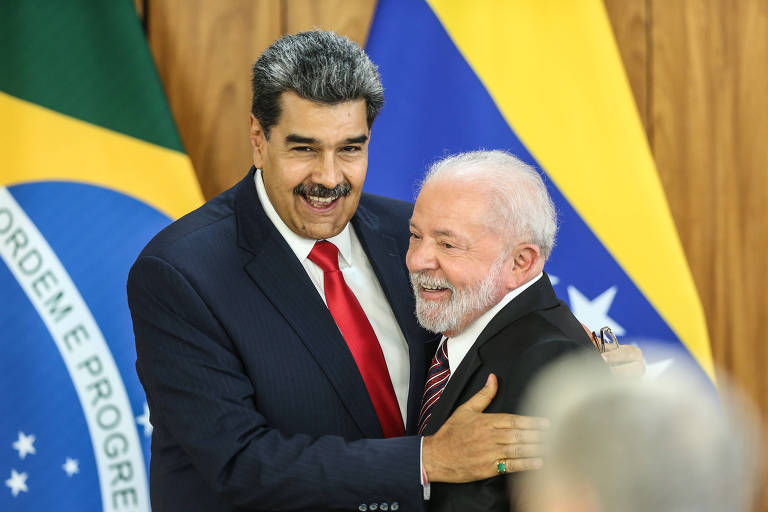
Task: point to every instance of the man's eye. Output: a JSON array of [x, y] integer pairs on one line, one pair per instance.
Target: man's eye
[[301, 148], [446, 245], [351, 149], [415, 236]]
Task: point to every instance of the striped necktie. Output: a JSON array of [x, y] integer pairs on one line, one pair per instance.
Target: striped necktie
[[360, 337], [439, 371]]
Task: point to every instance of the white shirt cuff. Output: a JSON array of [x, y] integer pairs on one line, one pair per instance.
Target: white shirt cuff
[[425, 485]]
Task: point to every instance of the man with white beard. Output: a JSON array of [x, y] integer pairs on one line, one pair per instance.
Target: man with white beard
[[482, 228]]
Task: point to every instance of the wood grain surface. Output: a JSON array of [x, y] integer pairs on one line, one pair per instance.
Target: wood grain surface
[[709, 121], [351, 18], [630, 19], [699, 75], [204, 52]]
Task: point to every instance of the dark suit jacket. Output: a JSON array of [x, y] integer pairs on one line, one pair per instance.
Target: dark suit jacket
[[527, 334], [255, 398]]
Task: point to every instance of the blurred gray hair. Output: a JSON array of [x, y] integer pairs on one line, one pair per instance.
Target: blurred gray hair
[[319, 66], [519, 203], [634, 446]]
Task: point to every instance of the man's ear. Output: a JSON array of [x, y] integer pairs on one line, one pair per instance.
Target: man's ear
[[258, 141], [523, 263]]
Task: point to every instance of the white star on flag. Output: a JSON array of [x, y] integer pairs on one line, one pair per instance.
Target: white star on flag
[[17, 483], [143, 420], [71, 466], [24, 445], [594, 312]]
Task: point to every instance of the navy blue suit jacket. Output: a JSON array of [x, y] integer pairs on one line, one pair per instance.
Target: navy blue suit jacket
[[255, 398]]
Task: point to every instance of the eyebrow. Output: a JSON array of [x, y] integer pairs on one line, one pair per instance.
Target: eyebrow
[[442, 232], [300, 139], [357, 140], [448, 233]]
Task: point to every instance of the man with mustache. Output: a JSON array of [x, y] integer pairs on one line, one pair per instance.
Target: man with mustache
[[274, 326], [482, 228]]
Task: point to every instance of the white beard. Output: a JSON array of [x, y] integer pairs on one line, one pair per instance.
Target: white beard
[[463, 307]]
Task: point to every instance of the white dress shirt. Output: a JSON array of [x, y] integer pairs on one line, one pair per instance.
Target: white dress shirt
[[459, 345], [359, 276]]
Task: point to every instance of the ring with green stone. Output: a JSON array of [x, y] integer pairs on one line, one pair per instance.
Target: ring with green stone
[[501, 466]]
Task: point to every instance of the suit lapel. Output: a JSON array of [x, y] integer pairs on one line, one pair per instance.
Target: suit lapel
[[290, 290], [389, 266], [539, 295]]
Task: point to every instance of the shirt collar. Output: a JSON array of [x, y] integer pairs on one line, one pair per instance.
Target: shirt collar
[[461, 343], [300, 245]]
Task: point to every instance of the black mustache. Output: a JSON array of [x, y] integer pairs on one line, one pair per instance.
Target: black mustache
[[317, 190]]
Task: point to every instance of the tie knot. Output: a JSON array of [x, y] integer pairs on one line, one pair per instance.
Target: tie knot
[[325, 255]]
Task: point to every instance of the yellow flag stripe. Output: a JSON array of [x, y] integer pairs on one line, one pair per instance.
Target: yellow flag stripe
[[555, 73], [38, 144]]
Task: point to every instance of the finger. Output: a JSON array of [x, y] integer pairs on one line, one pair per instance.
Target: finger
[[611, 347], [516, 436], [521, 451], [622, 354], [517, 465], [514, 421], [636, 369], [482, 398]]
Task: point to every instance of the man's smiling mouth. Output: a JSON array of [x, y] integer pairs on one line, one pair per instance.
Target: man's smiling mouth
[[319, 202], [320, 197]]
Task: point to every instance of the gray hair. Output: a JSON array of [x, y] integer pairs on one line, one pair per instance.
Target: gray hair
[[666, 445], [518, 199], [319, 66]]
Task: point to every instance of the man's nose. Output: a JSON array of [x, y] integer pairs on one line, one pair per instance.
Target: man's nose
[[327, 171], [420, 256]]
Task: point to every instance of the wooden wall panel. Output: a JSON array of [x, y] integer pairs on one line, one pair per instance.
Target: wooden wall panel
[[710, 116], [351, 18], [204, 52], [710, 123], [629, 19]]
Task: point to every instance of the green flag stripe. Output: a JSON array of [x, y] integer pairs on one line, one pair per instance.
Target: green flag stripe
[[87, 59]]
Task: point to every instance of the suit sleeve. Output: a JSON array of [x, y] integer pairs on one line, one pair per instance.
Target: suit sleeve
[[199, 394], [515, 380]]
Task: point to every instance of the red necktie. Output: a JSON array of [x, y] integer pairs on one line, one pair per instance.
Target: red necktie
[[439, 371], [360, 338]]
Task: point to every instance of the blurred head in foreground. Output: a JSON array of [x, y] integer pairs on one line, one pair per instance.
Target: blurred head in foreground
[[635, 446]]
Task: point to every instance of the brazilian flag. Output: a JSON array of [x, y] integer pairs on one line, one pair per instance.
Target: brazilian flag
[[544, 80], [91, 167]]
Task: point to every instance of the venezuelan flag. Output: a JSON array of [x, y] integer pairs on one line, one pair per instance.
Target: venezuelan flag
[[543, 79], [92, 168]]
